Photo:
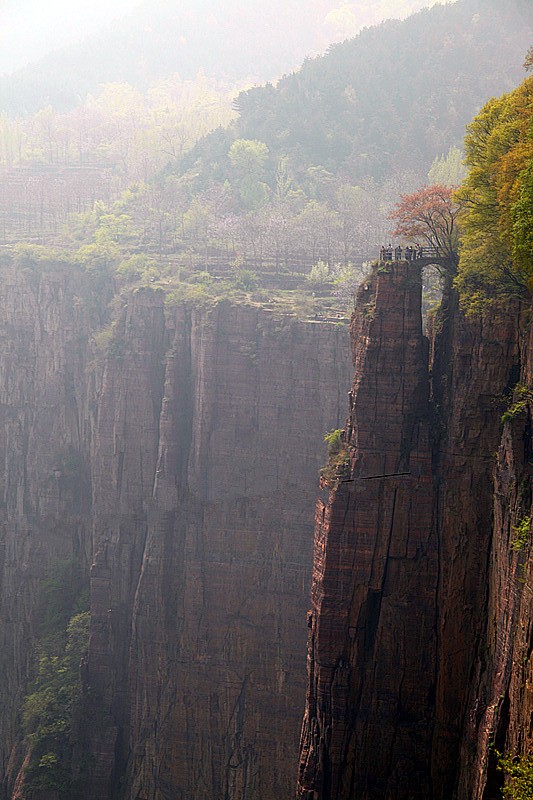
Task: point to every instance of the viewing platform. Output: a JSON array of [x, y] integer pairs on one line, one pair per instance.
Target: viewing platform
[[423, 256]]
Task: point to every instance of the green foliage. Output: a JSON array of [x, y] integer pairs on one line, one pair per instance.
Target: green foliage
[[202, 277], [319, 276], [521, 533], [522, 396], [333, 441], [338, 466], [109, 342], [195, 294], [448, 170], [38, 257], [495, 199], [246, 280], [47, 707], [49, 710], [248, 156], [521, 228], [253, 192], [519, 776], [53, 702], [137, 267]]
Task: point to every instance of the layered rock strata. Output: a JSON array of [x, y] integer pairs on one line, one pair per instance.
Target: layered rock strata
[[476, 364], [217, 642]]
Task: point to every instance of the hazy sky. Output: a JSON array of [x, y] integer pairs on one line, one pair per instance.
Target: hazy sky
[[31, 28]]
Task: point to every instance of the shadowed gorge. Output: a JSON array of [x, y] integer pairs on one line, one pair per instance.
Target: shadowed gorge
[[201, 282]]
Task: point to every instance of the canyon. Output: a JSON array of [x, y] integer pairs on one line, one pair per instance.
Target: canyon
[[165, 457], [182, 401]]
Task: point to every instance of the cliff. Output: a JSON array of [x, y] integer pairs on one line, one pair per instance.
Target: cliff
[[420, 640], [45, 490], [159, 467], [372, 640], [173, 455], [214, 650]]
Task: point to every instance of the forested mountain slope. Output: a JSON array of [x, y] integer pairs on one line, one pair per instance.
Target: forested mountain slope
[[309, 169], [393, 97]]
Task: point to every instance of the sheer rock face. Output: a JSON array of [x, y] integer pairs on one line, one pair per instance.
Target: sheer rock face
[[217, 651], [372, 642], [45, 488], [182, 466], [476, 363], [500, 708], [198, 441], [417, 614]]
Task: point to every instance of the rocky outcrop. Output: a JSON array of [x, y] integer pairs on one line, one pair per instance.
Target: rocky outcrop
[[174, 454], [420, 642], [372, 641]]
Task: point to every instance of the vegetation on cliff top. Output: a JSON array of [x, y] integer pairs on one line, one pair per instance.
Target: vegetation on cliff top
[[336, 142]]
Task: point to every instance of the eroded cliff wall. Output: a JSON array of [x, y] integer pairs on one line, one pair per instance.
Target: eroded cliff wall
[[372, 641], [477, 362], [202, 556], [420, 640], [194, 444], [45, 324]]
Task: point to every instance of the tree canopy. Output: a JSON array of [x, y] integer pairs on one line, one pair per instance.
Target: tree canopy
[[429, 215], [497, 197]]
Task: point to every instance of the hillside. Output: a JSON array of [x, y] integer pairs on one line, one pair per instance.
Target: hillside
[[308, 171], [391, 99]]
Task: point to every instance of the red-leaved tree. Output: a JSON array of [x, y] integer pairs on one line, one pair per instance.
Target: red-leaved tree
[[428, 216]]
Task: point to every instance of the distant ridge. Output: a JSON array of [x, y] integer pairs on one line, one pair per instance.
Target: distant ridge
[[389, 100], [229, 39]]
